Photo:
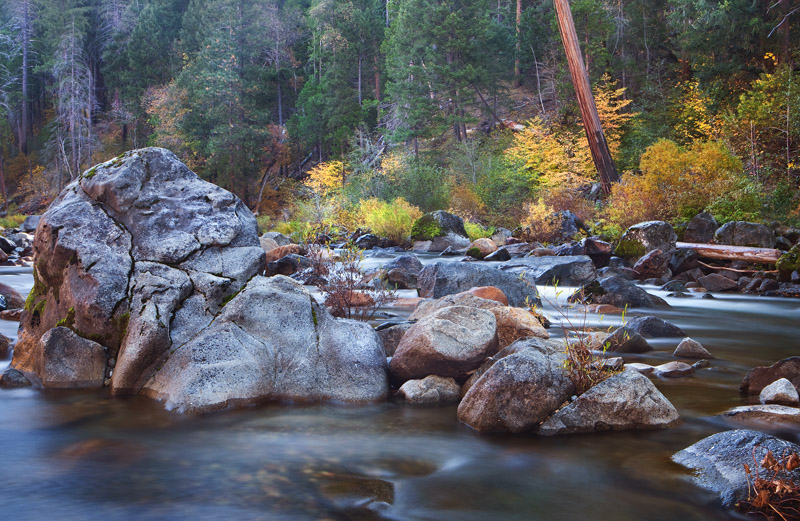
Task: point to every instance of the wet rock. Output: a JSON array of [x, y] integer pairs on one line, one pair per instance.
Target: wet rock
[[267, 244], [645, 237], [652, 264], [12, 297], [7, 245], [446, 278], [625, 340], [718, 461], [741, 233], [520, 249], [501, 236], [689, 276], [701, 364], [597, 250], [30, 223], [429, 306], [516, 393], [68, 361], [683, 259], [770, 416], [717, 282], [490, 293], [431, 390], [689, 348], [480, 248], [402, 271], [251, 353], [625, 401], [759, 377], [516, 323], [565, 271], [450, 342], [617, 292], [500, 255], [676, 286], [368, 241], [13, 379], [780, 392], [282, 251], [644, 369], [673, 370], [279, 238], [768, 285], [286, 265], [701, 228], [437, 231], [391, 336], [5, 347]]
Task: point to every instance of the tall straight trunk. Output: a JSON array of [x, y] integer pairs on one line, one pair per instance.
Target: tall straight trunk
[[280, 94], [3, 179], [377, 79], [517, 74], [360, 67], [591, 121], [26, 36]]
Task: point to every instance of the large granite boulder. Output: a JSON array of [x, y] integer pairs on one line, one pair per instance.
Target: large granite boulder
[[516, 393], [146, 260], [565, 271], [450, 342], [597, 250], [617, 292], [402, 271], [272, 341], [624, 401], [437, 231], [718, 461], [446, 278], [137, 255], [645, 237], [741, 233]]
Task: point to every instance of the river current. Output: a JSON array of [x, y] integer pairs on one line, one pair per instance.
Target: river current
[[77, 456]]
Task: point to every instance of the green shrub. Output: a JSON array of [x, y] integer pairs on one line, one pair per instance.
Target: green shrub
[[744, 203], [475, 231], [12, 221], [424, 186], [388, 219], [296, 230], [263, 223], [426, 228]]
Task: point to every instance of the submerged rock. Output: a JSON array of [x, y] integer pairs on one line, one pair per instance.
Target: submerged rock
[[718, 461], [689, 348], [431, 390], [654, 327], [759, 377], [625, 401]]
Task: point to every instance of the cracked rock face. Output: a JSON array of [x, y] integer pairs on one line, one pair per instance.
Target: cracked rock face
[[141, 262], [137, 255]]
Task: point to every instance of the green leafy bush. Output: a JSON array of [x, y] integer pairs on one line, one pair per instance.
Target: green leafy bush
[[421, 184], [476, 231], [388, 219]]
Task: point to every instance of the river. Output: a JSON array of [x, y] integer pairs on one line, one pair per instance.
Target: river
[[87, 456]]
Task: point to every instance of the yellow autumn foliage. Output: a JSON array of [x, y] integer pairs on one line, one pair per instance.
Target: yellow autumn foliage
[[674, 183], [325, 178]]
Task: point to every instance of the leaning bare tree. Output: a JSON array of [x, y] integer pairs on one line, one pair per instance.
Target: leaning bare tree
[[580, 80]]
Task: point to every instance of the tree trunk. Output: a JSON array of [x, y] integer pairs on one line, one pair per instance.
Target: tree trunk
[[3, 179], [725, 252], [517, 74], [591, 121], [26, 36], [280, 99], [360, 67]]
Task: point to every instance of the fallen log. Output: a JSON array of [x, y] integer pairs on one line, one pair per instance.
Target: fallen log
[[732, 253]]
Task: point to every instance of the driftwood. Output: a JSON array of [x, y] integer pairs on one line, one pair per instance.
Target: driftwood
[[733, 253], [723, 268]]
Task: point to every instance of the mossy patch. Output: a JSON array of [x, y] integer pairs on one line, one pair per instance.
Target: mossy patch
[[38, 290], [69, 320], [121, 324], [629, 249], [229, 298], [789, 262], [90, 173], [475, 253], [39, 308], [426, 228]]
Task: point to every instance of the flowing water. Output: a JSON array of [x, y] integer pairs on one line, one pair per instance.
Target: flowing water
[[85, 455]]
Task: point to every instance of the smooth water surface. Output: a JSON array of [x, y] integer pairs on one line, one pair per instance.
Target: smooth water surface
[[87, 456]]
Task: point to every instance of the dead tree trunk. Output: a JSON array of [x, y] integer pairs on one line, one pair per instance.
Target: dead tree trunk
[[580, 80]]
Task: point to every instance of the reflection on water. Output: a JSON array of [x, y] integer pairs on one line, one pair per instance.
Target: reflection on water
[[86, 456]]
